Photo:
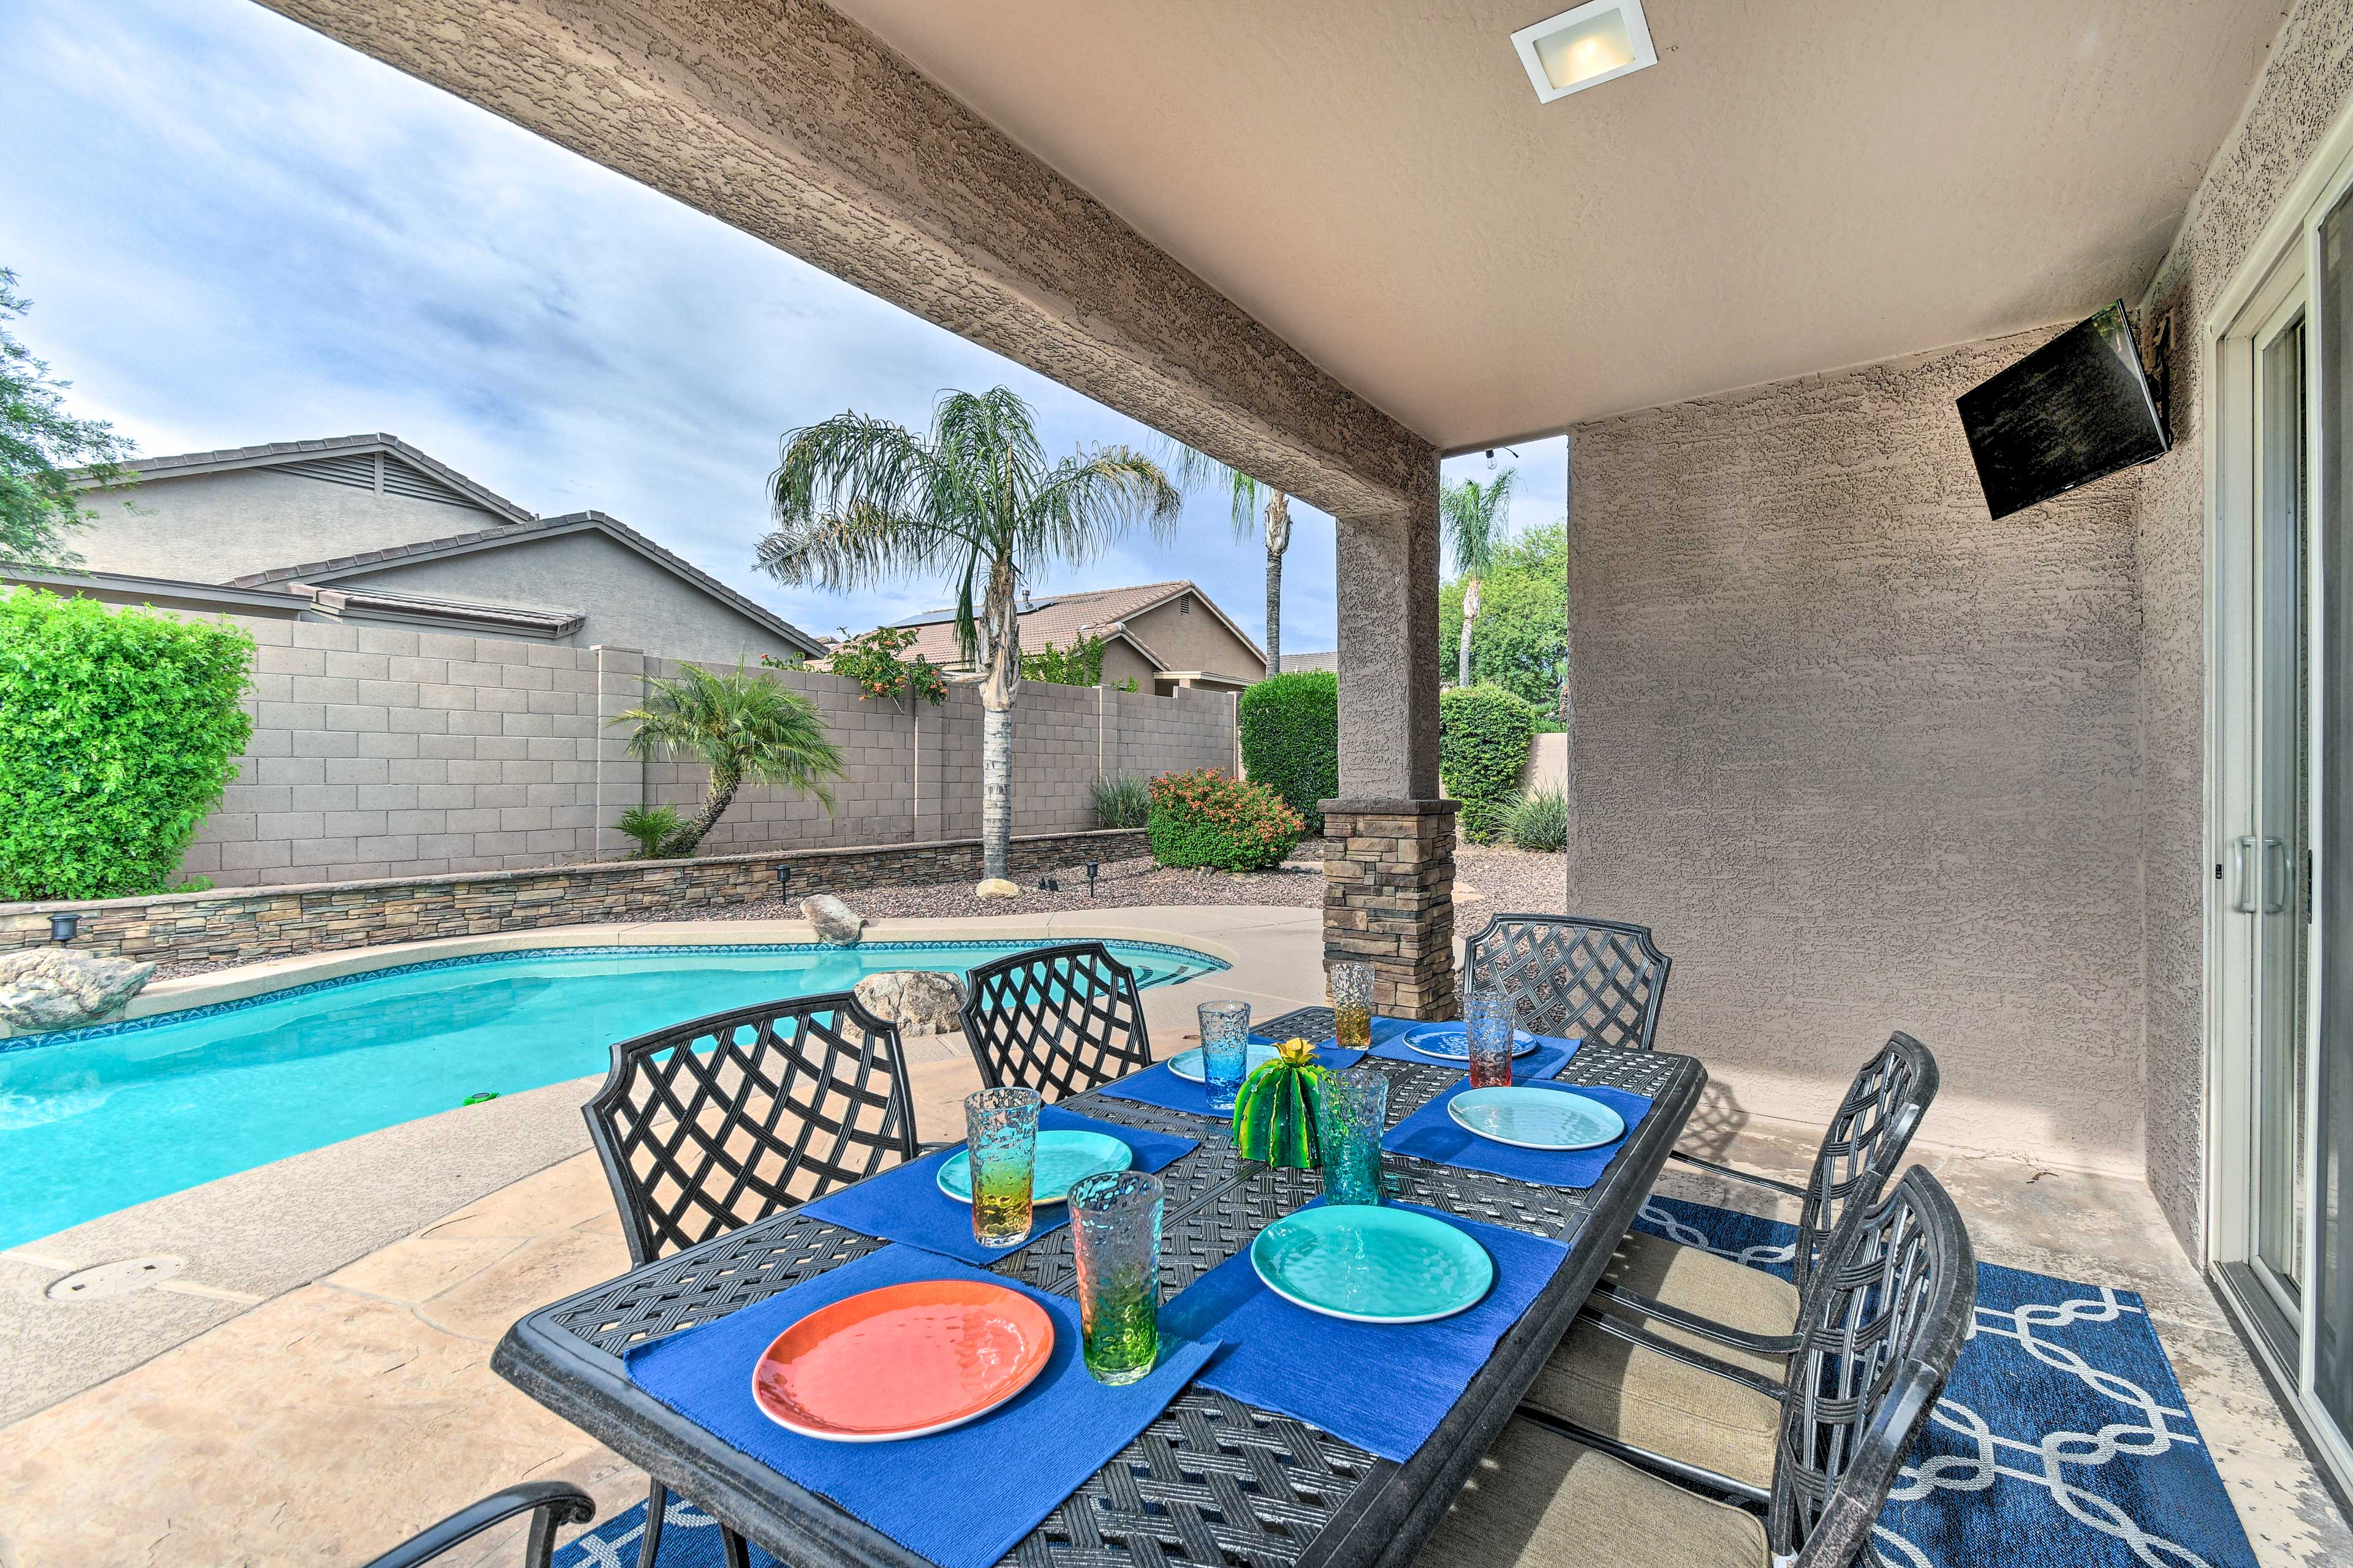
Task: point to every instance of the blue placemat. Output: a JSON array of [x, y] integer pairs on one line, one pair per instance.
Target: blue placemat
[[964, 1498], [907, 1205], [1430, 1133], [1552, 1052], [1385, 1387], [1157, 1086]]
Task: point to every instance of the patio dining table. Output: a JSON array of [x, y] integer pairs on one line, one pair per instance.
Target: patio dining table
[[1212, 1481]]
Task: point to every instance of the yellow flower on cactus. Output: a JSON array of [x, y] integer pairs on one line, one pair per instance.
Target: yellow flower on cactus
[[1296, 1052]]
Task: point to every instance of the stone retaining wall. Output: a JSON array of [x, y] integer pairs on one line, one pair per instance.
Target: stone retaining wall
[[248, 923]]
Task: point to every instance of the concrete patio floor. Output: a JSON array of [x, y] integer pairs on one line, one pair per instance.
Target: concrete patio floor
[[317, 1387]]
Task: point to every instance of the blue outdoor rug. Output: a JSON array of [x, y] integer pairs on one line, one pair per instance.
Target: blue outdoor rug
[[2062, 1439]]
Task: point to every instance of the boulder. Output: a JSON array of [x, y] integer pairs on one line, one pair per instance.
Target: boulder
[[996, 888], [46, 988], [919, 1001], [837, 922]]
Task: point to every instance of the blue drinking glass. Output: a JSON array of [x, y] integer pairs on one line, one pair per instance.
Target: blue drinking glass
[[1225, 1051]]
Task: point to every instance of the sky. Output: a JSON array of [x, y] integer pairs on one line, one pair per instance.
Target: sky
[[235, 231]]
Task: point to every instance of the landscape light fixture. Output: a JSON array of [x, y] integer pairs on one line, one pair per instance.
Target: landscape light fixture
[[784, 883], [1093, 866], [64, 928], [1584, 47]]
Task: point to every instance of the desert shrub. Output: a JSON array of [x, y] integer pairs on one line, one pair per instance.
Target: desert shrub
[[1206, 818], [1482, 745], [653, 826], [1122, 802], [1539, 820], [118, 731], [1291, 739]]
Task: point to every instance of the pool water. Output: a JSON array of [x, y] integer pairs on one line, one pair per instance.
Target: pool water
[[95, 1120]]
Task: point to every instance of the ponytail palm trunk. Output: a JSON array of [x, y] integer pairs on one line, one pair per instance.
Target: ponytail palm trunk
[[860, 501]]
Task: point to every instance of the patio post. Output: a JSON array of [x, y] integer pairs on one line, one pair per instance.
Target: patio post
[[1388, 868]]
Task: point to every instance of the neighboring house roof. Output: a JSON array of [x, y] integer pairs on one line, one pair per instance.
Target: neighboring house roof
[[316, 573], [298, 601], [1066, 618], [333, 457], [1295, 661]]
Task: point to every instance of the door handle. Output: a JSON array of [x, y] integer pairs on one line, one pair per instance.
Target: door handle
[[2275, 893], [2242, 897]]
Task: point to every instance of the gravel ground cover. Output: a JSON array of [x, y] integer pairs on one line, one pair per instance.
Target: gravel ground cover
[[1485, 880]]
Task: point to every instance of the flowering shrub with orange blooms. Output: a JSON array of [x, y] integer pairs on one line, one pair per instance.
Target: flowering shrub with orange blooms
[[1204, 818]]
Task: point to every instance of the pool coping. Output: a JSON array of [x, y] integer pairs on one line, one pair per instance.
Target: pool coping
[[270, 978]]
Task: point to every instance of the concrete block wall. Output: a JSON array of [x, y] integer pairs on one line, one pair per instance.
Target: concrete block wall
[[379, 753]]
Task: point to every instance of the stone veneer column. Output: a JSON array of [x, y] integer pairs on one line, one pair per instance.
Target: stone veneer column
[[1389, 898], [1388, 869]]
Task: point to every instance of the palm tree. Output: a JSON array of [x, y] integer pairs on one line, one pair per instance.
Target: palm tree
[[860, 500], [746, 727], [1194, 469], [1476, 517]]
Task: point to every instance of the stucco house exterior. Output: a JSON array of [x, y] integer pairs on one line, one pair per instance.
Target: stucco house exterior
[[369, 529], [1165, 636]]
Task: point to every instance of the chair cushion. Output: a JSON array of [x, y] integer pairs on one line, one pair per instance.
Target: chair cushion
[[1645, 1400], [1699, 1281], [1540, 1500]]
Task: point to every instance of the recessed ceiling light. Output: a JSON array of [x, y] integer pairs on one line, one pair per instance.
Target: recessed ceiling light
[[1595, 43]]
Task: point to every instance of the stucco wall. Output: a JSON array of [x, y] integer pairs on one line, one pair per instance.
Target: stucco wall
[[2305, 85], [383, 752], [1862, 758], [628, 601], [209, 528], [1196, 639]]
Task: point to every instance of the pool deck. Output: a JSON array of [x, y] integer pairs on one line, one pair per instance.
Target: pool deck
[[315, 1383]]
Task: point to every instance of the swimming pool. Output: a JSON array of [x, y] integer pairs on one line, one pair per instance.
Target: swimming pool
[[95, 1120]]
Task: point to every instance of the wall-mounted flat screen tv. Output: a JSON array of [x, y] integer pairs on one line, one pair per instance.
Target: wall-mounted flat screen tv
[[2075, 410]]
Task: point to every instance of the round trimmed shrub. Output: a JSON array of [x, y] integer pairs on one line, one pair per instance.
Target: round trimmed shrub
[[1291, 739], [1206, 818], [1482, 745], [118, 731]]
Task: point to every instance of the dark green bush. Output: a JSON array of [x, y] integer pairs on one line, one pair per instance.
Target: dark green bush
[[1204, 818], [1538, 820], [1482, 745], [118, 731], [1122, 802], [1291, 739]]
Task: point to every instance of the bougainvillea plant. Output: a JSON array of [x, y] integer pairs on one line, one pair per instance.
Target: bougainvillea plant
[[872, 660]]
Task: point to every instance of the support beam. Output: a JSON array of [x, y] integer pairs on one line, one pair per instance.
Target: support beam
[[790, 122], [1388, 868]]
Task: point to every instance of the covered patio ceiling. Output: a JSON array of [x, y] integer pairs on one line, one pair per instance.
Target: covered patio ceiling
[[1799, 184]]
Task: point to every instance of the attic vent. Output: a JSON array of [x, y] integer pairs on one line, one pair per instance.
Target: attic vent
[[400, 480], [360, 470]]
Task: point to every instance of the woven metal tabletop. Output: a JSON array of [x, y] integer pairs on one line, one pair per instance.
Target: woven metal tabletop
[[1212, 1481]]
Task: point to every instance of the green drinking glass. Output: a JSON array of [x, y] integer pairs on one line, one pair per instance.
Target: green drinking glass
[[1001, 1134], [1115, 1238]]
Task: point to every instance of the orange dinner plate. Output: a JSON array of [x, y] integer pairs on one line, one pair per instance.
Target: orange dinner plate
[[902, 1362]]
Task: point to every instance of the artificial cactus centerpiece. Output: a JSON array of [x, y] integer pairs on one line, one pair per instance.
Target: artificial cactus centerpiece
[[1275, 1116]]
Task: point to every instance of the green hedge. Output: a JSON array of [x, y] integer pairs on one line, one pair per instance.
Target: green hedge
[[1207, 819], [118, 731], [1482, 745], [1291, 739]]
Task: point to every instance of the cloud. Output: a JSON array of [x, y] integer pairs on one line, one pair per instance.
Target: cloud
[[236, 230]]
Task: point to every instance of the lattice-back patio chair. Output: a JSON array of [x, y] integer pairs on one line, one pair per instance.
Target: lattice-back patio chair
[[710, 1125], [1625, 1397], [1880, 1335], [1601, 980], [549, 1503], [1061, 1020]]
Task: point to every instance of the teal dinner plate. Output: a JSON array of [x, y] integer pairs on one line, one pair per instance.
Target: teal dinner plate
[[1187, 1063], [1528, 1118], [1372, 1265], [1451, 1042], [1062, 1158]]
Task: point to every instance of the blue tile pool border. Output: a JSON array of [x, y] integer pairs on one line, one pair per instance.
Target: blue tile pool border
[[1211, 965]]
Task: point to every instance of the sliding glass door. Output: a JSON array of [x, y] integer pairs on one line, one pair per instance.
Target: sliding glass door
[[2329, 1170]]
